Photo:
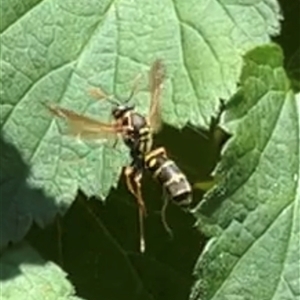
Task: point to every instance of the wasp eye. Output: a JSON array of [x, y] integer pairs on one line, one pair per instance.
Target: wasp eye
[[116, 113]]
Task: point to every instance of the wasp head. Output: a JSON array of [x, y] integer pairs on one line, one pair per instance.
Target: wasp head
[[119, 111]]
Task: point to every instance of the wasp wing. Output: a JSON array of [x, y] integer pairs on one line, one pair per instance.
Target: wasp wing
[[156, 77], [85, 127]]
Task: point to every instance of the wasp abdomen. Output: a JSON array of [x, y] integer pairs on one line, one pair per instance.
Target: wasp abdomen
[[169, 176]]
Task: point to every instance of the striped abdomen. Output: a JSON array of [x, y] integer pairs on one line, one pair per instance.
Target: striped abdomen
[[169, 176]]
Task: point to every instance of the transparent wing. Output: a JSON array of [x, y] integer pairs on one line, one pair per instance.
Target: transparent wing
[[156, 77], [85, 127]]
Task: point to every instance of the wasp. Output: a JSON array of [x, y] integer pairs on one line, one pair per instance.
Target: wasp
[[137, 132]]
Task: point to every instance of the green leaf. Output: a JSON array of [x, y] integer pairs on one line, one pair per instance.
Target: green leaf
[[56, 50], [14, 10], [25, 275], [253, 213]]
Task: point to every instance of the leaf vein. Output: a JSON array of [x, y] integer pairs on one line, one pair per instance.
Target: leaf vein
[[33, 85], [251, 245], [21, 17], [181, 42]]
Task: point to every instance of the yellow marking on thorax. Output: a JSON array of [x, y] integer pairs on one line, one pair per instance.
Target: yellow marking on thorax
[[145, 145], [127, 116]]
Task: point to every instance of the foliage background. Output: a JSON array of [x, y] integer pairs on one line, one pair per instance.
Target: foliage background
[[96, 243]]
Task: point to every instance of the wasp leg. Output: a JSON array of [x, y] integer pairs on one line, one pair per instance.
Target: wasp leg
[[142, 210], [163, 214], [133, 175]]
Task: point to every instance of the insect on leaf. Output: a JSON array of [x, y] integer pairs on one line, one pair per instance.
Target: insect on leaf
[[57, 51]]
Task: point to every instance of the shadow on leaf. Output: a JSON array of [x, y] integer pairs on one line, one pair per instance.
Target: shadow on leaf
[[21, 204]]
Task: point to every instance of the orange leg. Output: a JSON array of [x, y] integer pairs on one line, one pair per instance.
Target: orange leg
[[132, 176]]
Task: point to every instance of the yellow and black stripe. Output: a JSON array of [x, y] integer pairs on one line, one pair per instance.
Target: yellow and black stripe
[[169, 176]]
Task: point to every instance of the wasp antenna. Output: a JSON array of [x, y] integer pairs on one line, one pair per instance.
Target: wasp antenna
[[114, 102], [135, 86], [98, 93]]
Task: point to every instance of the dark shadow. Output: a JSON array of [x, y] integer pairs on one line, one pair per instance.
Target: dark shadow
[[98, 246], [21, 205], [289, 40], [289, 36]]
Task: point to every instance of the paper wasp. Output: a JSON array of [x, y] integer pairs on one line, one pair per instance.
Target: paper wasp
[[137, 133]]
